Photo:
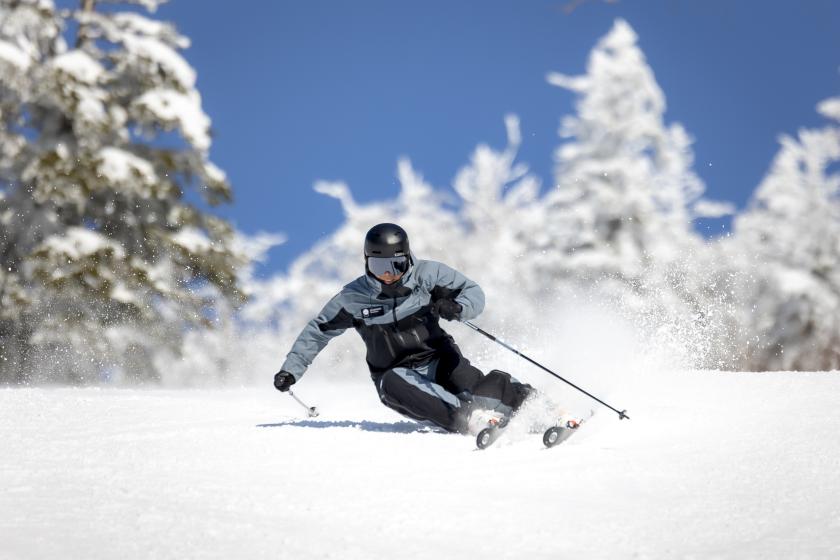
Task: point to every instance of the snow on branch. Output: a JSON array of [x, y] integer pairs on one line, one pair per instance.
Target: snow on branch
[[150, 5], [78, 243], [12, 55], [830, 108], [79, 66], [175, 110]]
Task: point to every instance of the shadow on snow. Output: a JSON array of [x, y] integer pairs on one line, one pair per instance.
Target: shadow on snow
[[364, 425]]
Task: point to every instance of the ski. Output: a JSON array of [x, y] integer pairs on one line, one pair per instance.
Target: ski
[[552, 436], [490, 434], [556, 435]]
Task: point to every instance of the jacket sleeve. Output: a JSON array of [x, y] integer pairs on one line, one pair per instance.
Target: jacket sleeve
[[330, 322], [448, 282]]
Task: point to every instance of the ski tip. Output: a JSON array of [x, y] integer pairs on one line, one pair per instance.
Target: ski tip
[[485, 437]]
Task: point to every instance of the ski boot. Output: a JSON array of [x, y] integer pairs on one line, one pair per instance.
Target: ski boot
[[487, 426]]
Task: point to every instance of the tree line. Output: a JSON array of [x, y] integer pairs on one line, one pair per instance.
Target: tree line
[[113, 268]]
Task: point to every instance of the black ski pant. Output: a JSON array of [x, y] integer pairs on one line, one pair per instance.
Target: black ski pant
[[446, 390]]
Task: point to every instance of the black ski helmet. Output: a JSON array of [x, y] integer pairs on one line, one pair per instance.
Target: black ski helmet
[[386, 240]]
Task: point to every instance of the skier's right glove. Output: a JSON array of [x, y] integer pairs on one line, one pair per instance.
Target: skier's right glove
[[447, 309], [283, 380]]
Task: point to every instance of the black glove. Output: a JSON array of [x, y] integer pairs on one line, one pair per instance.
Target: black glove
[[447, 309], [283, 380]]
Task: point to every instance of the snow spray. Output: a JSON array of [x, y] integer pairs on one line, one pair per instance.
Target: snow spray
[[622, 414]]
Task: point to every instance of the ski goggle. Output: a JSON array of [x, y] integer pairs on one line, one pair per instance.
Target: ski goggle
[[378, 266]]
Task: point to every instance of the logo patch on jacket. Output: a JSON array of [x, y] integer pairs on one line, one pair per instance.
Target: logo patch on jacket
[[368, 312]]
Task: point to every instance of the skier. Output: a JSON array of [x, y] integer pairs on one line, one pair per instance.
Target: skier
[[415, 365]]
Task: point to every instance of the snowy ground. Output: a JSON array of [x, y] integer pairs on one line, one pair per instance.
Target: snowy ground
[[710, 465]]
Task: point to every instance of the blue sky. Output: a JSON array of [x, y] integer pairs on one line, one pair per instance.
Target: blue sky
[[302, 90]]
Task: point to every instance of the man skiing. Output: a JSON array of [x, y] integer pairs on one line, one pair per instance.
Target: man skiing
[[416, 366]]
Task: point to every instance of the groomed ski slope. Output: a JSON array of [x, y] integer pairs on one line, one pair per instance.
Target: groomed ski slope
[[711, 465]]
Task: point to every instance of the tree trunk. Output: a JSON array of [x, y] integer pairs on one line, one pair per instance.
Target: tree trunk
[[82, 38]]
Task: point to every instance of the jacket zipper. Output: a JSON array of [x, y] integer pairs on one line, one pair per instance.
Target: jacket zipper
[[397, 332]]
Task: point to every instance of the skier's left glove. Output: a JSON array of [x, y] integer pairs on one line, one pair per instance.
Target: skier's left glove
[[447, 309], [283, 380]]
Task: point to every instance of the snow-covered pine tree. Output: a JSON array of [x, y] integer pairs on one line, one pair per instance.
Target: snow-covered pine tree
[[499, 207], [790, 239], [620, 215], [102, 138]]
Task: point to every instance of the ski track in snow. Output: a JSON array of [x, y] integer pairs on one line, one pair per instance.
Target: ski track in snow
[[717, 465]]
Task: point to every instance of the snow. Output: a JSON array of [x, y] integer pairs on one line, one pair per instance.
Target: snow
[[121, 293], [830, 108], [77, 243], [164, 56], [140, 25], [214, 173], [713, 208], [171, 106], [11, 54], [795, 282], [91, 108], [122, 167], [710, 465], [192, 239], [80, 66], [151, 5]]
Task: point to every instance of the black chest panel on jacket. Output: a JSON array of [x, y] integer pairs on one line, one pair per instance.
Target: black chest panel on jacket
[[411, 341]]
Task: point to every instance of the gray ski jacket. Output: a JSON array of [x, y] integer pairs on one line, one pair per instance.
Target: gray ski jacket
[[395, 321]]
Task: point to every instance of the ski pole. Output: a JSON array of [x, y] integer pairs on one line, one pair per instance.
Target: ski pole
[[310, 410], [622, 414]]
